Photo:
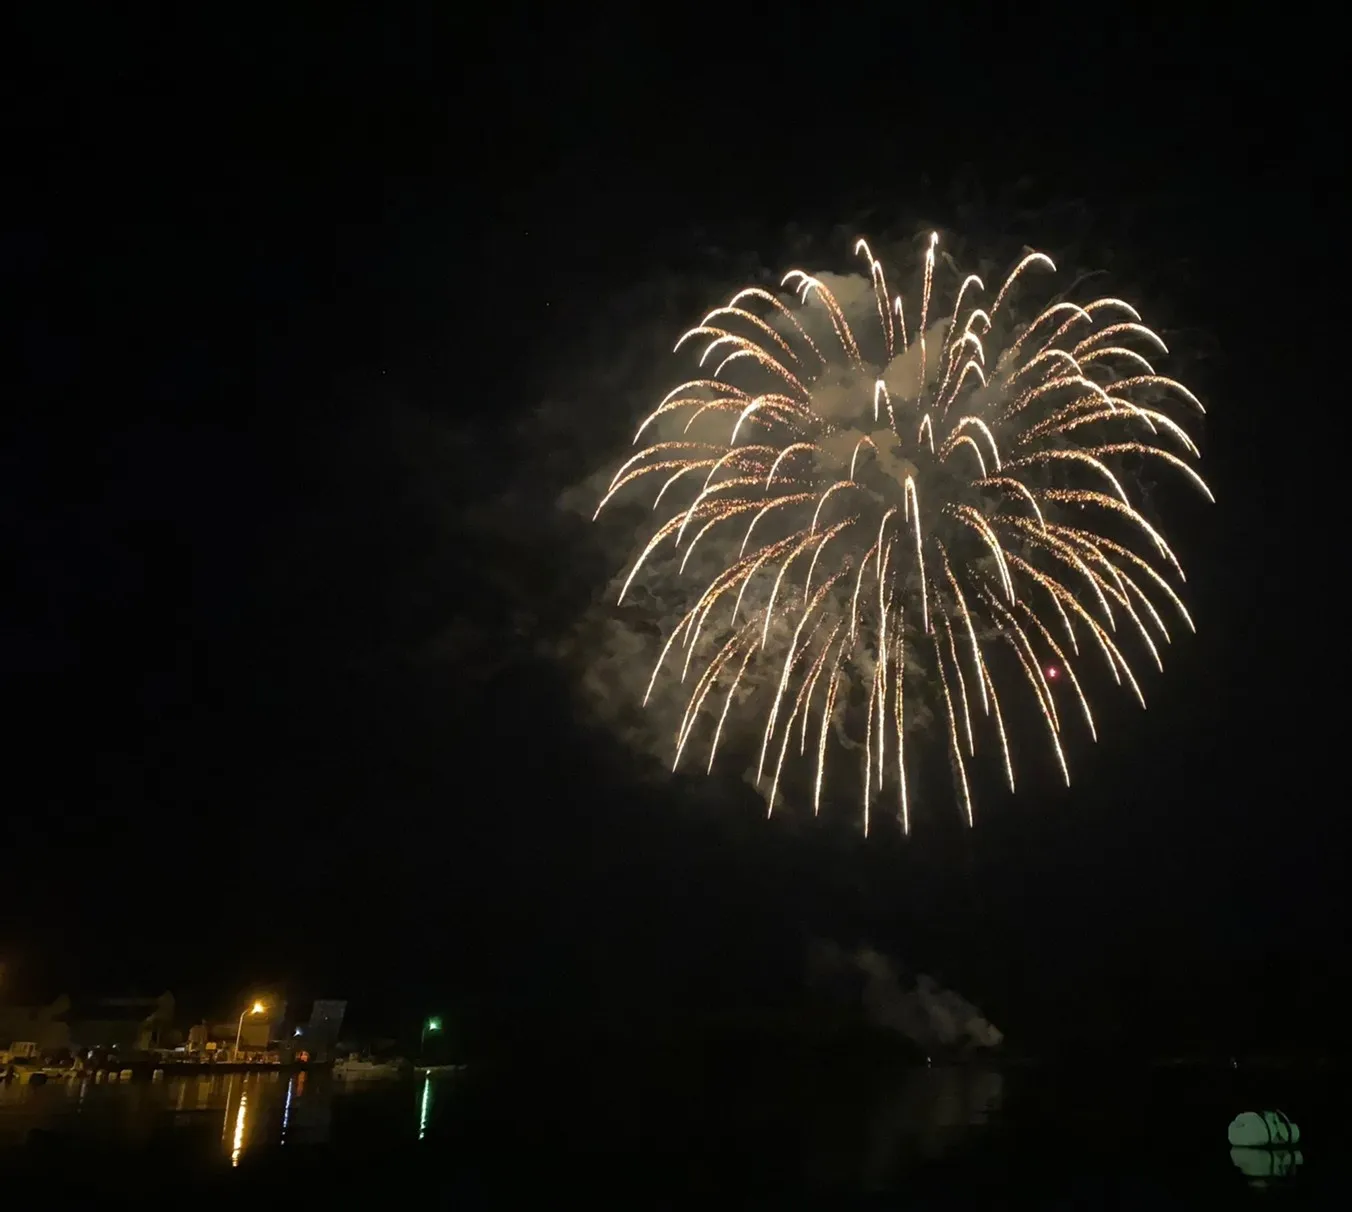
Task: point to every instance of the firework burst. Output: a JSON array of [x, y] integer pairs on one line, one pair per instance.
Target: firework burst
[[882, 507]]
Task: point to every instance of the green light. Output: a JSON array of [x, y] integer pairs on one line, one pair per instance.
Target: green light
[[434, 1024]]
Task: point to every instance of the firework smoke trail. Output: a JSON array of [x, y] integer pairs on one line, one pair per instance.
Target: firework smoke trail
[[926, 512]]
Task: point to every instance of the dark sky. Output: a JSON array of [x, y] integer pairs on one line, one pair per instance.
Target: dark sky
[[280, 299]]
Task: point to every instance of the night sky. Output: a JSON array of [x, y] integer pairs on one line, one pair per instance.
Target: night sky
[[284, 305]]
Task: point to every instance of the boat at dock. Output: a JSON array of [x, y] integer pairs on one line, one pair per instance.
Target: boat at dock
[[354, 1066]]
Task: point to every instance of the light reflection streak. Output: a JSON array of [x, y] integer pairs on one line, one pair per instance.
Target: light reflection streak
[[425, 1106], [286, 1108], [241, 1116]]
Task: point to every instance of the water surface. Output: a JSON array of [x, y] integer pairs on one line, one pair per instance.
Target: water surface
[[1149, 1137]]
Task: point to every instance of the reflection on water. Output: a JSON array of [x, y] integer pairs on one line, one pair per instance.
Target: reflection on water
[[240, 1120], [241, 1111], [221, 1119], [286, 1106], [869, 1137], [1261, 1167], [712, 1126], [927, 1114], [873, 1134]]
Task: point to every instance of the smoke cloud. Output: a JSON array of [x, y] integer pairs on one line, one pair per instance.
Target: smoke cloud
[[917, 1007]]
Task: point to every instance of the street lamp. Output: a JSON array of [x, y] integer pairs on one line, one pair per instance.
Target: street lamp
[[430, 1027], [256, 1008]]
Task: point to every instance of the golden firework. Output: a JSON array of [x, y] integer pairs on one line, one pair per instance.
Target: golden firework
[[879, 510]]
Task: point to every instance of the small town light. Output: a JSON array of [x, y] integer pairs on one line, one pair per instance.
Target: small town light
[[430, 1027], [256, 1008]]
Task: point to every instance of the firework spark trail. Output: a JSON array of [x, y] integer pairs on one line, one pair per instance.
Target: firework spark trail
[[953, 497]]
